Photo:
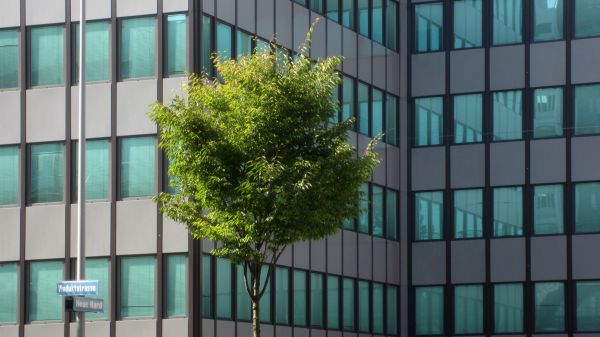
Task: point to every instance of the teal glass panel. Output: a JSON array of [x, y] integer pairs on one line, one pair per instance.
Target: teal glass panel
[[468, 309], [97, 269], [508, 115], [243, 302], [429, 215], [9, 175], [335, 95], [317, 5], [468, 214], [363, 306], [176, 285], [299, 295], [333, 302], [377, 308], [243, 44], [587, 13], [508, 211], [377, 20], [96, 169], [348, 98], [223, 288], [176, 44], [392, 310], [587, 306], [548, 209], [348, 304], [507, 21], [265, 300], [363, 108], [547, 112], [224, 43], [549, 307], [301, 2], [377, 112], [391, 24], [468, 23], [363, 218], [333, 8], [282, 285], [316, 300], [429, 310], [97, 52], [548, 20], [587, 208], [348, 13], [429, 121], [137, 167], [46, 61], [391, 214], [43, 304], [9, 58], [377, 210], [46, 172], [587, 109], [391, 120], [206, 42], [9, 292], [468, 118], [137, 48], [137, 286], [429, 23], [363, 17], [206, 286], [508, 308]]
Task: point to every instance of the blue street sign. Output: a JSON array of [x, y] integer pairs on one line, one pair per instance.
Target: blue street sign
[[77, 288], [86, 304]]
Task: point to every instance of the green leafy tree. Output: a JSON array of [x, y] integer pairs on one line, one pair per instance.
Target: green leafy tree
[[256, 165]]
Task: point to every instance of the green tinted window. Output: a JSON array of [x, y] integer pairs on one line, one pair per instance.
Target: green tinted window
[[243, 299], [377, 309], [468, 118], [316, 300], [547, 20], [377, 210], [468, 213], [508, 211], [391, 25], [43, 304], [348, 304], [9, 175], [97, 54], [176, 285], [548, 212], [429, 23], [282, 279], [137, 48], [46, 61], [265, 300], [333, 10], [176, 44], [587, 304], [391, 227], [547, 112], [333, 302], [391, 120], [587, 208], [206, 286], [377, 20], [46, 172], [348, 13], [224, 43], [508, 115], [96, 169], [363, 306], [587, 13], [137, 286], [392, 310], [363, 17], [8, 292], [207, 49], [299, 314], [468, 309], [429, 121], [587, 109], [97, 269], [468, 20], [508, 308], [317, 5], [223, 288], [137, 167], [377, 116], [429, 310], [9, 58], [508, 21], [363, 218], [363, 108], [348, 98], [549, 307], [243, 43], [429, 218]]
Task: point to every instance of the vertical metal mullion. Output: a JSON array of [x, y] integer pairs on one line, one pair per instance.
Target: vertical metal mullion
[[113, 191], [67, 154], [569, 200], [160, 263], [23, 170]]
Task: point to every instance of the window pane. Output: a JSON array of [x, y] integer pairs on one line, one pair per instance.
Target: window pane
[[429, 210], [547, 112], [429, 21], [46, 55], [363, 108], [508, 211], [244, 304], [468, 18], [44, 305], [176, 44], [549, 307], [548, 216], [332, 10], [348, 98], [223, 288], [46, 172], [317, 5], [468, 309], [468, 214], [97, 269], [363, 17], [96, 169], [137, 48], [175, 288], [363, 218], [587, 13], [377, 206], [508, 23], [348, 304], [97, 53], [468, 116], [9, 58], [9, 175], [508, 111], [243, 44], [316, 300], [588, 306], [392, 310], [348, 13], [377, 20], [391, 210], [508, 308], [206, 44], [547, 20], [587, 109], [377, 308], [363, 306], [8, 292], [391, 124], [333, 302], [137, 167], [377, 112], [282, 280], [265, 300], [206, 287], [587, 208], [429, 311], [137, 286], [299, 297], [429, 121], [391, 25], [224, 41]]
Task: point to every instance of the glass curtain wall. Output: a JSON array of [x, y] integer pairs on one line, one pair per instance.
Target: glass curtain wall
[[137, 48], [468, 20], [429, 23], [97, 54], [9, 58], [46, 50], [9, 175]]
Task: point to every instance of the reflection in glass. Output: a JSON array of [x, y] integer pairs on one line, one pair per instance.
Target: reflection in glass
[[547, 112], [547, 20], [468, 17], [548, 214], [588, 304], [587, 109], [587, 208], [508, 308], [429, 310], [587, 13], [508, 21], [549, 307], [468, 213], [429, 21], [468, 309], [429, 207], [428, 121], [468, 118], [508, 115], [508, 211]]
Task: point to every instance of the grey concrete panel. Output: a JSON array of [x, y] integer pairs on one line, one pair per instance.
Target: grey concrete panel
[[302, 255], [334, 38], [45, 118], [509, 335], [318, 333], [350, 251], [548, 161], [507, 259], [379, 173], [93, 329], [393, 167], [226, 10], [135, 7], [39, 12], [467, 166], [207, 245], [585, 163], [282, 331], [44, 330], [301, 25], [264, 18], [393, 69], [350, 334], [9, 330], [583, 335], [283, 24], [333, 333], [365, 256], [428, 74], [548, 258], [10, 13], [244, 329], [267, 330], [141, 327], [379, 259], [175, 6], [586, 249], [45, 232], [364, 58], [319, 37], [547, 64], [208, 328], [467, 71], [246, 18], [10, 118], [95, 10], [350, 52], [318, 252], [286, 257], [97, 111], [584, 60], [468, 261], [507, 67], [134, 99], [428, 263], [208, 7], [379, 63], [301, 332], [97, 228], [173, 87], [334, 253], [551, 335], [225, 328], [10, 238], [136, 227], [175, 236], [507, 163], [428, 168]]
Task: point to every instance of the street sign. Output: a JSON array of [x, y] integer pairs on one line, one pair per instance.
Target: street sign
[[85, 304], [77, 288]]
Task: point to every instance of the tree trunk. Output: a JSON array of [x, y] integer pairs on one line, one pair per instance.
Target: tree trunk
[[255, 309]]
